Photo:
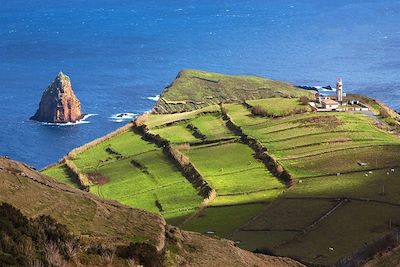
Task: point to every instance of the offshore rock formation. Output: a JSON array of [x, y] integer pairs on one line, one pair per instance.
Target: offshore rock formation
[[59, 103]]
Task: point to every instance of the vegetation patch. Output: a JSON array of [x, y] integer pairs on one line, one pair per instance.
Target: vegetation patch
[[34, 242], [277, 107], [327, 122], [97, 178]]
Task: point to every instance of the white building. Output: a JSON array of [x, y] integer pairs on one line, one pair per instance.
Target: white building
[[330, 104]]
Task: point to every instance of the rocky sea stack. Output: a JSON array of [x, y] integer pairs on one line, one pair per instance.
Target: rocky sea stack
[[59, 103]]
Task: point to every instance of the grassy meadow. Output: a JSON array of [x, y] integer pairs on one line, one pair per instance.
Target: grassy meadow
[[345, 170]]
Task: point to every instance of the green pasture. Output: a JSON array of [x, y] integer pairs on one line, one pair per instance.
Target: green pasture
[[279, 106], [212, 126], [127, 144], [61, 174], [156, 120], [161, 181], [242, 116], [231, 168], [176, 133]]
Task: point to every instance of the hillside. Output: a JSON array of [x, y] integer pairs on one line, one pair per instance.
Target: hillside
[[320, 187], [108, 233], [194, 89]]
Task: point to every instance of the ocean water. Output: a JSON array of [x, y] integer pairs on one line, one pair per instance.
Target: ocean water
[[121, 54]]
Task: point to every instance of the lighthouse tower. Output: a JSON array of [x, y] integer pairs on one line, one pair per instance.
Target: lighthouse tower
[[339, 90]]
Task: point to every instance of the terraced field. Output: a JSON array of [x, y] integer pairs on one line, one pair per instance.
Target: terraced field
[[343, 168], [347, 174], [136, 173], [192, 129]]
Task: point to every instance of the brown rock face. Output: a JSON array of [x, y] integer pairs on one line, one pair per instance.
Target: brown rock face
[[59, 103]]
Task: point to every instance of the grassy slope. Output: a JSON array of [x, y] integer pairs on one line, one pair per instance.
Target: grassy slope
[[110, 225], [202, 88], [81, 212], [158, 182]]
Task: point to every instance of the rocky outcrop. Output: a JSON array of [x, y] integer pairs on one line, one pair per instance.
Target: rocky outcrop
[[59, 103]]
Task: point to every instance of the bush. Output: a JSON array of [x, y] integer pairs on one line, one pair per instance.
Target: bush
[[259, 111], [304, 100], [33, 242], [383, 112]]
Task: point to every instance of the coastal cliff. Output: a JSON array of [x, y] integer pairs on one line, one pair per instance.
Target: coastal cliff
[[59, 103]]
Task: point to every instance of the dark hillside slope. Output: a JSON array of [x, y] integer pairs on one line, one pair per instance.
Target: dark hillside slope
[[110, 233]]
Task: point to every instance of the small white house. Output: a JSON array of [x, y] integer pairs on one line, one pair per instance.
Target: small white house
[[330, 104]]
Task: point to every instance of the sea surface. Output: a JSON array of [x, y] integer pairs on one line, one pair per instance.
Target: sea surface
[[121, 54]]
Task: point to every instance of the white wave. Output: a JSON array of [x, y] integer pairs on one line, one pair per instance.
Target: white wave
[[327, 90], [121, 117], [81, 121], [153, 98], [322, 89]]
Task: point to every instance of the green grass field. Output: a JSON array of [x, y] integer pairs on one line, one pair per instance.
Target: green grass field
[[232, 169], [152, 183], [60, 172], [176, 133], [212, 126], [155, 120], [127, 144], [280, 106]]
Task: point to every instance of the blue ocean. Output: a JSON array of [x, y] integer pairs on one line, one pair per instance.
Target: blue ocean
[[121, 54]]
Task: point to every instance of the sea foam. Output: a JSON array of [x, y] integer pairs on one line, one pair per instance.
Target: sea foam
[[153, 98], [81, 121], [121, 117]]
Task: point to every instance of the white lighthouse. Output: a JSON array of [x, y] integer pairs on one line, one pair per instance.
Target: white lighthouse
[[339, 90]]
